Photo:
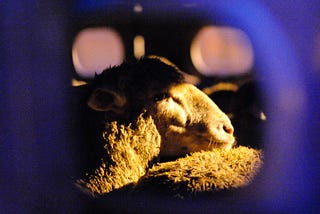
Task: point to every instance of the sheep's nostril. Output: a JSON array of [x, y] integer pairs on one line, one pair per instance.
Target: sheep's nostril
[[228, 129]]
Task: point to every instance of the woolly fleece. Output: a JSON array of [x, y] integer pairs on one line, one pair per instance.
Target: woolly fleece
[[131, 163]]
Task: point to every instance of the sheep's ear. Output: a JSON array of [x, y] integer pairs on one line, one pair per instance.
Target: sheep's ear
[[194, 80], [106, 100]]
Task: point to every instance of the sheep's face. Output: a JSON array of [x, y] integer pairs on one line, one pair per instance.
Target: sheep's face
[[188, 121], [186, 118]]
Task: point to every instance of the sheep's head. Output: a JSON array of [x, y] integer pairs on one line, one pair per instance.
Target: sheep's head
[[185, 117]]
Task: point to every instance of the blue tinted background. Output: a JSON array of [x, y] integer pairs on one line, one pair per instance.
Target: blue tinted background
[[35, 63]]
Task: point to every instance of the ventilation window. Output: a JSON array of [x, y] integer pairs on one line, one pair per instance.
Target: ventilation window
[[221, 51], [96, 49]]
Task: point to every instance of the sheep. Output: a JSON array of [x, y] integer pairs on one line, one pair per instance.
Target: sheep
[[150, 111], [248, 115], [186, 119], [242, 103]]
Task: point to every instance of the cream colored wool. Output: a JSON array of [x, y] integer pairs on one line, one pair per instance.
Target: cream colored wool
[[132, 149], [205, 171], [129, 151]]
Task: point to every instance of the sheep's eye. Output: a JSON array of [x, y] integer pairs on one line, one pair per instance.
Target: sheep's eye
[[160, 96]]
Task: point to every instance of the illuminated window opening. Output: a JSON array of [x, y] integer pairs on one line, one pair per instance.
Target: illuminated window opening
[[137, 8], [96, 49], [221, 51]]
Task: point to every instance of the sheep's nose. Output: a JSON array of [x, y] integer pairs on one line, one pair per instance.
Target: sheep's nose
[[225, 127], [228, 128]]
